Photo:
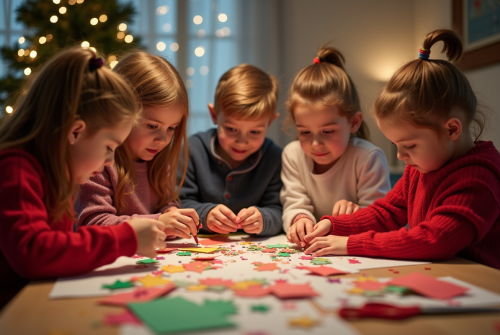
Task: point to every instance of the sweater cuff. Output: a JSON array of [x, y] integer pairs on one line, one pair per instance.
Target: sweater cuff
[[355, 245], [126, 238], [337, 228]]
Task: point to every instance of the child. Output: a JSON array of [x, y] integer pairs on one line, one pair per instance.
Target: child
[[142, 183], [64, 129], [332, 169], [233, 179], [450, 191]]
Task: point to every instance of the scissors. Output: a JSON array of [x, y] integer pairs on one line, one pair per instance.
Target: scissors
[[393, 312], [200, 224]]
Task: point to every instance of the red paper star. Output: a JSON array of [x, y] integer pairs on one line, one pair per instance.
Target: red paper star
[[286, 290], [196, 266], [371, 285], [354, 261], [267, 267], [322, 270], [216, 282], [253, 291], [269, 250]]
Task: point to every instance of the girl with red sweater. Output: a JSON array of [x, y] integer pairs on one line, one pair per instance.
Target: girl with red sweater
[[450, 191], [64, 129]]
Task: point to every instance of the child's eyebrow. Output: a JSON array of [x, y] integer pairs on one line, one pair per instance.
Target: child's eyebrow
[[150, 119], [323, 125]]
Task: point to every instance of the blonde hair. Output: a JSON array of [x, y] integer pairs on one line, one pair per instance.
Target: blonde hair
[[424, 92], [157, 84], [326, 84], [246, 92], [64, 90]]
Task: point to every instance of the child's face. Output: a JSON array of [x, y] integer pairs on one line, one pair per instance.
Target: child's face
[[89, 154], [417, 146], [240, 138], [324, 133], [155, 131]]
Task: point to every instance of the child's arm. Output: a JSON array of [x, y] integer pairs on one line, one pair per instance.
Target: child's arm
[[373, 177]]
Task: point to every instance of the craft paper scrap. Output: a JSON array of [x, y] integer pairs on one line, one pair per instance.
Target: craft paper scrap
[[139, 295], [203, 250], [253, 292], [429, 286], [322, 270], [118, 284], [216, 282], [169, 315], [173, 268], [150, 281], [222, 306], [286, 290]]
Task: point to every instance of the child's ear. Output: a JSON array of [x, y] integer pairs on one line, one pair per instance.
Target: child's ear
[[356, 121], [453, 128], [274, 117], [211, 109], [76, 131]]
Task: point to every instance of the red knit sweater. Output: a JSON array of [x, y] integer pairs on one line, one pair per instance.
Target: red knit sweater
[[452, 211], [33, 248]]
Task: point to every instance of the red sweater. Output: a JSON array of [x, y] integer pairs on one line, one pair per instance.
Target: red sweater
[[33, 248], [452, 211]]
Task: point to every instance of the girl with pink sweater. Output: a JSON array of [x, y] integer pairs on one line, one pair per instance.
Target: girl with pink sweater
[[140, 183]]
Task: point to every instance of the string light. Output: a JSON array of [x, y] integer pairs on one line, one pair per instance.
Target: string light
[[26, 52], [21, 40], [103, 18], [200, 33], [85, 44], [204, 70], [20, 52], [9, 109], [113, 64], [94, 21], [197, 19], [129, 38], [190, 71], [161, 46], [122, 27], [167, 27], [62, 10], [53, 19], [162, 10], [79, 1], [120, 35], [199, 51], [27, 71], [111, 58], [33, 54], [174, 47], [222, 17], [49, 37], [71, 2], [57, 2], [42, 40]]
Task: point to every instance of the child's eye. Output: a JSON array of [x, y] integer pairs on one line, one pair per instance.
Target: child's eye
[[230, 129], [152, 126], [411, 147], [255, 132], [304, 133], [328, 132], [172, 128], [110, 150]]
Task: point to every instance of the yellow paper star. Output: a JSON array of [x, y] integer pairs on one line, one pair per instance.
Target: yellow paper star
[[356, 290], [203, 250], [362, 279], [246, 243], [173, 268], [197, 288], [304, 322], [243, 285], [150, 281]]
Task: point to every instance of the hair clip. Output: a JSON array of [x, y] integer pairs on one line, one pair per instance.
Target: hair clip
[[318, 60], [95, 63], [424, 54]]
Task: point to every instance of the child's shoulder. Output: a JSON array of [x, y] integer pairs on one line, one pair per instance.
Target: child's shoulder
[[202, 138], [292, 150], [18, 159], [362, 146], [271, 148], [482, 161]]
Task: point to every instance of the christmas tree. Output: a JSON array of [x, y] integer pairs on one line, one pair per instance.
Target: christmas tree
[[53, 25]]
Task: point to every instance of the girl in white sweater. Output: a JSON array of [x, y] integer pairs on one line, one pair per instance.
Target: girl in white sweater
[[332, 169]]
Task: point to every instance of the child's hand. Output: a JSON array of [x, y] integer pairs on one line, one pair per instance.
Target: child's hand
[[222, 220], [344, 207], [251, 220], [328, 245], [321, 228], [150, 235], [298, 230], [180, 222]]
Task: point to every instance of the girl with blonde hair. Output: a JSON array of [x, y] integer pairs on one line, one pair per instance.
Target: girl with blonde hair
[[450, 191], [142, 183], [332, 169], [65, 128]]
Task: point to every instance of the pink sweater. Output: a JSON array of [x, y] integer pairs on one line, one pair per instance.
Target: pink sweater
[[95, 203]]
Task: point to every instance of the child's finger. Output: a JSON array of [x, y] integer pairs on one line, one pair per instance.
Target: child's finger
[[244, 214], [293, 234], [185, 223], [324, 252], [228, 213], [336, 209], [221, 217], [356, 208], [221, 225], [309, 237], [216, 229], [191, 213], [250, 219], [309, 227], [301, 230]]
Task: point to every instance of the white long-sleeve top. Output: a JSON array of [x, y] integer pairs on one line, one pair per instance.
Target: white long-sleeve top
[[361, 175]]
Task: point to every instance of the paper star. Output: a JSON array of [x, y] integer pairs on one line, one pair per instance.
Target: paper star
[[286, 290], [118, 284], [283, 254], [267, 267], [371, 286], [362, 279], [216, 282], [147, 261], [322, 270], [269, 250], [183, 283], [303, 322], [196, 266], [260, 308], [173, 268], [253, 291], [277, 246], [184, 253], [356, 290], [320, 261], [150, 281], [290, 251], [307, 258], [258, 263]]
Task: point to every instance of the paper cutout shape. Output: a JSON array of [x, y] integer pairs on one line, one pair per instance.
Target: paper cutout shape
[[244, 285], [165, 250], [306, 258], [260, 308], [118, 284], [286, 290], [283, 254], [178, 315], [209, 241], [371, 286], [139, 295], [216, 282], [303, 322], [173, 268], [183, 283], [320, 261], [160, 258], [270, 246], [354, 261], [322, 270], [196, 266], [184, 253], [332, 280], [269, 250], [117, 319], [147, 261], [254, 291], [267, 267], [362, 279], [289, 251], [150, 281], [205, 258], [224, 307], [202, 250], [197, 288], [216, 288], [429, 286]]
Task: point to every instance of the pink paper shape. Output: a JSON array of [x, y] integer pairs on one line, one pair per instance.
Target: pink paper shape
[[267, 267], [216, 282], [354, 261], [286, 290], [209, 241], [138, 295], [269, 250], [322, 270], [429, 286], [253, 291], [205, 258], [121, 318], [165, 250], [196, 266], [306, 258], [370, 285]]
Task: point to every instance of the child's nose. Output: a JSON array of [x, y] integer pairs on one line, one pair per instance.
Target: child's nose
[[161, 138], [402, 155]]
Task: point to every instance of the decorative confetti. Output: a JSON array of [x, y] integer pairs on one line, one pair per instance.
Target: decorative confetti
[[184, 253], [270, 246], [303, 322], [320, 261], [196, 266], [173, 268], [260, 308], [147, 261], [322, 270], [286, 290], [354, 261], [217, 282], [150, 281], [267, 267], [118, 284]]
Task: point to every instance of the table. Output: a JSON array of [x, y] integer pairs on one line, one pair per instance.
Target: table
[[31, 312]]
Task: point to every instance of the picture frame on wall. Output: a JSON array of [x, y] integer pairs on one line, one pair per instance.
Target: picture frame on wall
[[479, 23]]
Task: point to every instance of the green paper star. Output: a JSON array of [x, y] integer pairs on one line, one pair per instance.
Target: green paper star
[[260, 308], [118, 284], [401, 290], [221, 306], [147, 261], [320, 261], [184, 253], [272, 246], [283, 254], [219, 288]]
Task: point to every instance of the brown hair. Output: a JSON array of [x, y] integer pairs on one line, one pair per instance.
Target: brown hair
[[64, 90], [157, 84], [326, 84], [424, 92], [246, 92]]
